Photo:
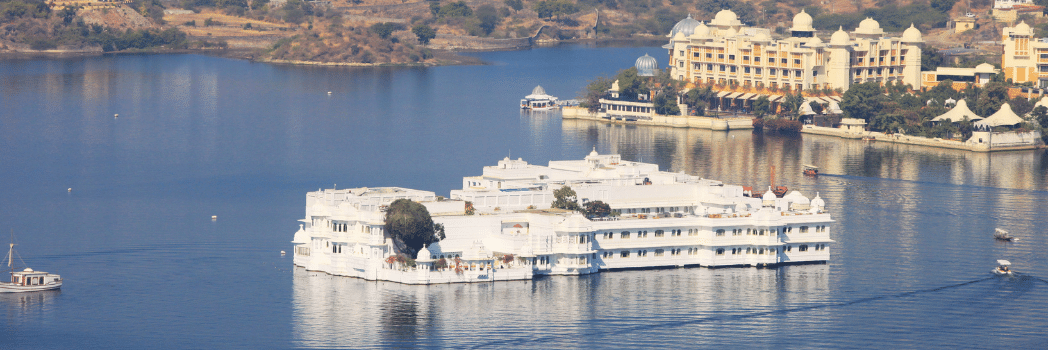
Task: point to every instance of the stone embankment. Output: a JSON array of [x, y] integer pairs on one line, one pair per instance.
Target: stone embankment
[[677, 121], [1002, 141]]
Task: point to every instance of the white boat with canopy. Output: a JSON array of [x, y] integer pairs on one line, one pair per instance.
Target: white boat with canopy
[[1003, 268], [27, 280]]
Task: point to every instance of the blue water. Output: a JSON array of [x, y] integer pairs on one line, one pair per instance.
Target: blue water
[[196, 136]]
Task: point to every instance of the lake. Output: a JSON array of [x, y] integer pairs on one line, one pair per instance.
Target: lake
[[112, 168]]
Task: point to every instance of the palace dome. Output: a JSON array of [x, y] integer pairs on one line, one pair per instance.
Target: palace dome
[[912, 35], [726, 18], [761, 38], [701, 31], [538, 90], [814, 42], [646, 66], [1022, 29], [984, 68], [731, 32], [685, 26], [840, 38], [802, 23], [869, 26]]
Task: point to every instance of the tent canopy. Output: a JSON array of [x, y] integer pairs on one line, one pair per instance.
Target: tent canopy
[[958, 113], [1005, 116]]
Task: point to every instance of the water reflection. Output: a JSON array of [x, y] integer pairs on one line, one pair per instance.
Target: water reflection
[[17, 307], [330, 311]]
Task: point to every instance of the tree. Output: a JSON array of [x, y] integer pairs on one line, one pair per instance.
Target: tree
[[943, 5], [1040, 114], [594, 91], [564, 198], [1020, 105], [666, 104], [409, 225], [761, 106], [384, 30], [993, 95], [455, 9], [597, 209], [863, 101], [424, 33], [488, 17], [516, 5]]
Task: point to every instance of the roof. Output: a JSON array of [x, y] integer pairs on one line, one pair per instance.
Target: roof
[[1005, 116], [958, 113]]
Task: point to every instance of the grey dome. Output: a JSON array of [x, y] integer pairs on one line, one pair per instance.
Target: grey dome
[[686, 26], [646, 66]]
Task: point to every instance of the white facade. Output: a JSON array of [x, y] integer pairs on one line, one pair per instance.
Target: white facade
[[660, 219]]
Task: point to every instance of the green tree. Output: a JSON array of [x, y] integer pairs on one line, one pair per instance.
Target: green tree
[[455, 9], [516, 5], [1040, 114], [594, 91], [943, 5], [761, 106], [863, 101], [597, 209], [424, 33], [410, 226], [564, 198], [666, 103], [1020, 105], [993, 95], [384, 30], [488, 17]]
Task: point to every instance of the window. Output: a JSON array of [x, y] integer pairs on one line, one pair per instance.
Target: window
[[696, 55], [746, 70], [642, 253], [625, 235], [676, 233], [771, 71], [757, 71], [731, 57], [659, 252], [756, 59], [693, 232], [642, 234], [720, 56], [720, 251], [658, 233], [796, 61], [709, 55], [745, 58], [722, 67], [784, 61], [625, 254], [709, 67], [681, 53], [720, 232], [680, 64], [804, 229], [733, 69], [802, 248], [797, 73]]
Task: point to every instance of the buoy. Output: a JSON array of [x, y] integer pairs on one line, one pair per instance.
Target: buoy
[[282, 252], [214, 217]]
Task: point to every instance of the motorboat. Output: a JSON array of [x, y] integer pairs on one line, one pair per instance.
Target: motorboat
[[811, 170], [1003, 268], [1002, 235], [28, 280]]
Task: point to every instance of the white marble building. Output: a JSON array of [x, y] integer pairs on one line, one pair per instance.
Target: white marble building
[[660, 219]]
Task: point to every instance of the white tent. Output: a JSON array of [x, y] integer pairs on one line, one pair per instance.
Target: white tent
[[958, 113], [1005, 116], [806, 108]]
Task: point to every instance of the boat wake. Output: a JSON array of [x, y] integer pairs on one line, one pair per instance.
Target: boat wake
[[678, 322]]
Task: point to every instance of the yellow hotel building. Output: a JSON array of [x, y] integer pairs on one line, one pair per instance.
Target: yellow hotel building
[[1025, 59], [726, 51]]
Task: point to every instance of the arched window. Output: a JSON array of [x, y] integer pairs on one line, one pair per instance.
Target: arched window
[[659, 233], [625, 235], [803, 248], [720, 232], [720, 251]]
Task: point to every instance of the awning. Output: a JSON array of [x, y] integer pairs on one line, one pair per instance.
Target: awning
[[773, 98], [723, 93], [747, 96], [735, 95]]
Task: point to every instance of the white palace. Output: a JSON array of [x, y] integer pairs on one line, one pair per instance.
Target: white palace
[[660, 219]]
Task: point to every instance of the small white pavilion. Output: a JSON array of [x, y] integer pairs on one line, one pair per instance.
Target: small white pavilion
[[1004, 117], [958, 113]]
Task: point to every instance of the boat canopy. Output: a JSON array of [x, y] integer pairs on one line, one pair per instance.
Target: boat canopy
[[1003, 263]]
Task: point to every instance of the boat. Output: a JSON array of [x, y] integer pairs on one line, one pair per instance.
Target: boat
[[1003, 268], [811, 170], [1002, 235], [28, 280], [869, 138], [539, 100]]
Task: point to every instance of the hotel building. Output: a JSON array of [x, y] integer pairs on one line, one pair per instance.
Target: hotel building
[[725, 51]]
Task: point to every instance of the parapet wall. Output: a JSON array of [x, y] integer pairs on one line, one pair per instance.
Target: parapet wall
[[677, 121], [454, 42]]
